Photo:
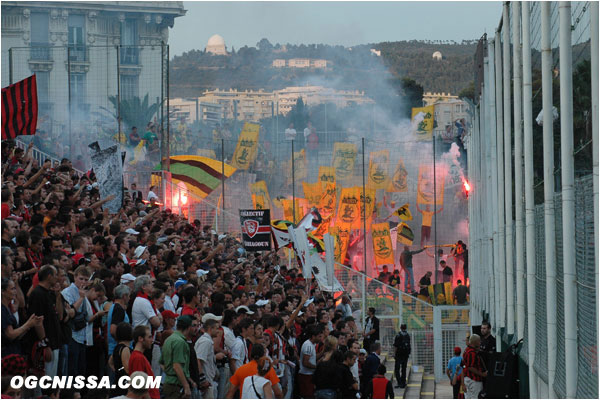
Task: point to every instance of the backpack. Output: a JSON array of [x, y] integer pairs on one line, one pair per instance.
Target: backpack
[[402, 344]]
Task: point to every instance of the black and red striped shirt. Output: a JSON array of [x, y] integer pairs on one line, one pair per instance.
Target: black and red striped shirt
[[472, 359]]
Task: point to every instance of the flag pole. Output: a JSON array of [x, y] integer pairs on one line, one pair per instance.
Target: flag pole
[[435, 253], [293, 185], [223, 184], [364, 207]]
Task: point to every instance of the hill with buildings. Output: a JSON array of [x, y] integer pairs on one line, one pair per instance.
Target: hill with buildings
[[436, 66]]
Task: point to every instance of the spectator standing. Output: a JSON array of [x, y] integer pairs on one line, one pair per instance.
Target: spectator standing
[[455, 368], [11, 331], [250, 369], [406, 263], [308, 361], [475, 370], [258, 386], [205, 352], [348, 383], [402, 352], [371, 333], [460, 294], [446, 272], [371, 365], [290, 132], [424, 284], [175, 358], [394, 280], [380, 387], [345, 307], [117, 314], [119, 358], [142, 339]]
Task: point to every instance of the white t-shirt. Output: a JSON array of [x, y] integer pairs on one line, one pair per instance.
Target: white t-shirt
[[141, 312], [290, 134], [248, 389], [306, 134], [354, 370], [169, 304], [229, 338], [308, 348], [205, 352], [239, 352]]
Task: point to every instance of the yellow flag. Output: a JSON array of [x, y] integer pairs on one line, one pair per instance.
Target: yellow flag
[[344, 157], [323, 228], [399, 181], [425, 186], [404, 213], [288, 210], [327, 202], [312, 192], [299, 166], [260, 189], [378, 169], [341, 235], [258, 202], [382, 244], [349, 209], [422, 121], [247, 146], [405, 235], [368, 199], [326, 175]]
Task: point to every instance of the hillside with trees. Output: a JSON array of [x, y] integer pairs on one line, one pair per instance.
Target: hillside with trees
[[354, 68]]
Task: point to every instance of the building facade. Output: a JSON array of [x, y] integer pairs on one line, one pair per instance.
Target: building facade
[[81, 51], [301, 63]]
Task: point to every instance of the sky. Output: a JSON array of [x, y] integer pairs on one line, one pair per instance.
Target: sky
[[346, 23]]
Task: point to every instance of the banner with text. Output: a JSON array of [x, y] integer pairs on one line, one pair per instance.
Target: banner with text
[[247, 146], [256, 229]]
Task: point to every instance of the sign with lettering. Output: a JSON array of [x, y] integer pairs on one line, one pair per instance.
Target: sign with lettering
[[256, 229], [382, 244], [247, 146]]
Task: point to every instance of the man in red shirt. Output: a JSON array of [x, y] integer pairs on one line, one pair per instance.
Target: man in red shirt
[[142, 337], [475, 370], [190, 300]]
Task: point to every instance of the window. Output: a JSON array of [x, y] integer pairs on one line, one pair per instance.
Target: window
[[77, 38], [77, 90], [129, 41], [40, 36], [129, 86], [43, 91]]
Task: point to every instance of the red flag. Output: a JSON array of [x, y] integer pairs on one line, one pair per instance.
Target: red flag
[[19, 109]]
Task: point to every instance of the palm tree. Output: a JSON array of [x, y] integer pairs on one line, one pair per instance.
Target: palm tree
[[134, 112]]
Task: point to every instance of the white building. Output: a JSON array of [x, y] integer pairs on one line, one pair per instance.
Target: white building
[[216, 46], [50, 38]]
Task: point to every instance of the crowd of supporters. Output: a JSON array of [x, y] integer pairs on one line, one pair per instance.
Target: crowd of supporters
[[87, 292]]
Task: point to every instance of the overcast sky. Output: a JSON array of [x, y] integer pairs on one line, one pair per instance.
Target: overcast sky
[[345, 23]]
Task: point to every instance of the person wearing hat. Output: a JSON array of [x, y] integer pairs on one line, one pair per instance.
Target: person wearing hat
[[455, 368], [175, 358], [169, 320], [401, 354]]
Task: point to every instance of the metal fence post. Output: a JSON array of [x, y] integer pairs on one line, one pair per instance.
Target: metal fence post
[[118, 50], [10, 66], [437, 344], [69, 101], [364, 208], [293, 185], [223, 184], [168, 119]]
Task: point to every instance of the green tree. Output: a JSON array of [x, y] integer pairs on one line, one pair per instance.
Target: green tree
[[134, 112], [468, 92]]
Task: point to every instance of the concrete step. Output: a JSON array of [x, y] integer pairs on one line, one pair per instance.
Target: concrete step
[[443, 390], [399, 393], [415, 382], [428, 386]]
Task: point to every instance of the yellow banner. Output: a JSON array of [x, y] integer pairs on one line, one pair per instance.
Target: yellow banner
[[382, 244], [404, 234], [259, 189], [378, 169], [312, 192], [327, 202], [259, 203], [369, 201], [344, 157], [323, 228], [326, 175], [300, 171], [342, 238], [399, 181], [425, 186], [349, 209], [422, 121], [288, 210], [247, 146]]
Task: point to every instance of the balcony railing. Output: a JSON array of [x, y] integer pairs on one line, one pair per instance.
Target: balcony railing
[[40, 52], [78, 53], [129, 55]]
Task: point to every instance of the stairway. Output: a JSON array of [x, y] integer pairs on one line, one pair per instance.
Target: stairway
[[420, 384]]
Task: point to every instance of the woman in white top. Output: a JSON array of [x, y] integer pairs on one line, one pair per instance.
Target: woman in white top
[[257, 386]]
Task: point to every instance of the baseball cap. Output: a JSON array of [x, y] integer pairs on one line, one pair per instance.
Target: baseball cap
[[126, 278], [208, 316], [457, 349], [139, 251], [363, 351], [180, 282], [132, 231], [169, 314], [243, 309]]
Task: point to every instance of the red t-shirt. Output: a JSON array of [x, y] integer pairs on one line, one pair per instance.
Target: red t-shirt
[[186, 310], [138, 362]]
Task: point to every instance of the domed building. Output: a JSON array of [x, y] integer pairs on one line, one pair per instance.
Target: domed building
[[437, 55], [216, 45]]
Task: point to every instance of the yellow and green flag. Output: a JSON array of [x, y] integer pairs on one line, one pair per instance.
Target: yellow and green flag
[[247, 146]]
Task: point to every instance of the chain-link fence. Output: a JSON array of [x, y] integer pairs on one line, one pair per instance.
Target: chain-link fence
[[96, 93], [494, 112]]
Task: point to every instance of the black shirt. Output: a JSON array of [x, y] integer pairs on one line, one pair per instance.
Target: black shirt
[[425, 281], [9, 346], [488, 345], [461, 295], [346, 382], [43, 302], [327, 375]]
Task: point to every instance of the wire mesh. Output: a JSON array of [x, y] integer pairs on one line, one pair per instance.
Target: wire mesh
[[559, 377], [541, 322]]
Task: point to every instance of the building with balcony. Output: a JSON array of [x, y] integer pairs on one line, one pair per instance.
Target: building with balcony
[[300, 63], [81, 51]]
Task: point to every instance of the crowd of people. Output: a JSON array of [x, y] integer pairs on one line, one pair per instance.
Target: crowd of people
[[144, 292]]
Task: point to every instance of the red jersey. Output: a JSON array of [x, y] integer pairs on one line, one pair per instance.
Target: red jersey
[[138, 362]]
